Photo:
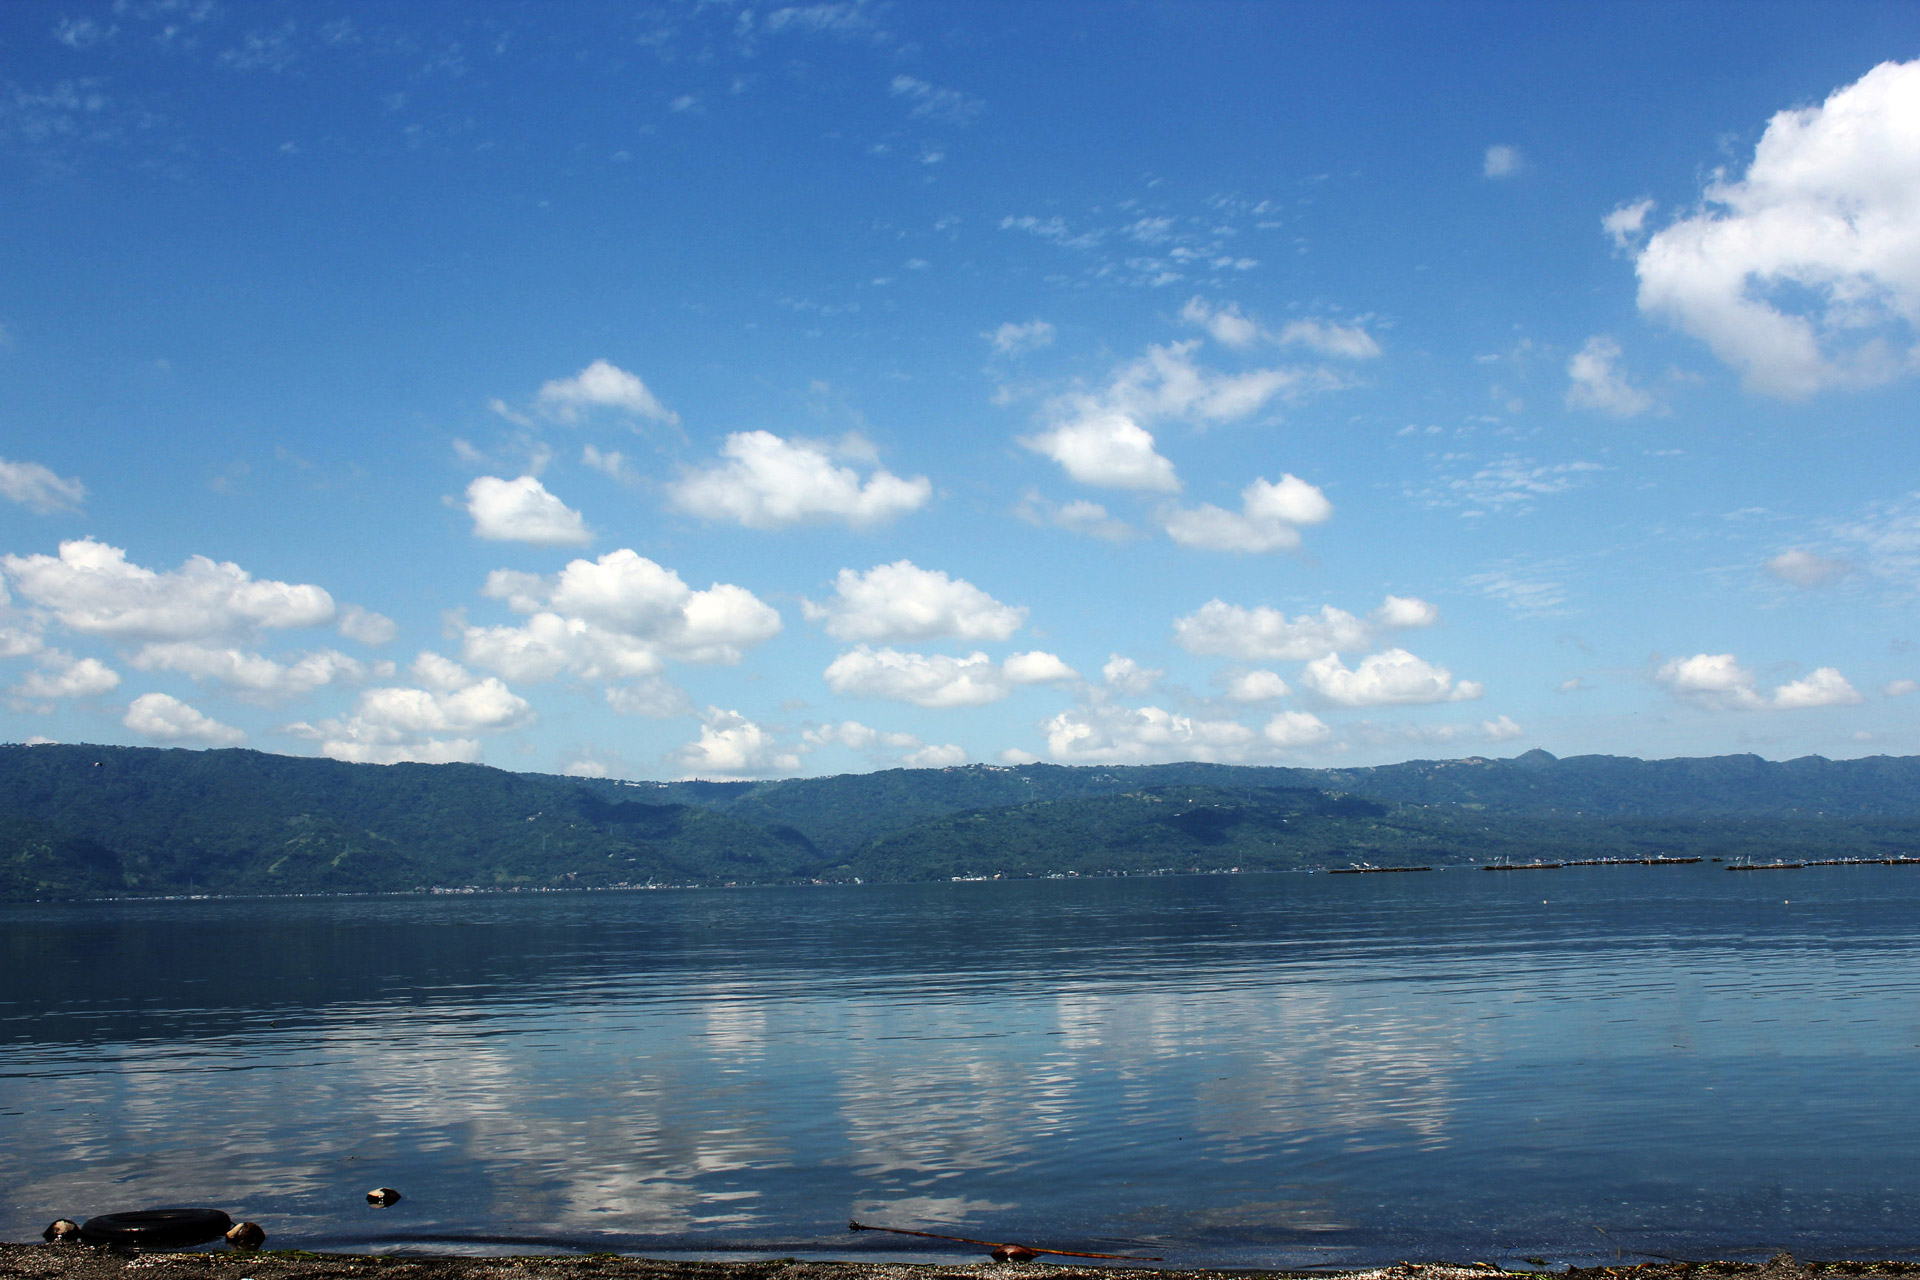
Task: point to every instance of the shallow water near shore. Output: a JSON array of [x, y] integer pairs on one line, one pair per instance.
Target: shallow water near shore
[[1271, 1070]]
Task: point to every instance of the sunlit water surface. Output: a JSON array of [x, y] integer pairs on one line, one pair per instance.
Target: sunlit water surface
[[1230, 1070]]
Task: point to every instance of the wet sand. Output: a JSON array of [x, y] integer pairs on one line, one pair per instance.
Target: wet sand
[[87, 1262]]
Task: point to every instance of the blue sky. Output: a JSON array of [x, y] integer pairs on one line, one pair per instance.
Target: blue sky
[[741, 390]]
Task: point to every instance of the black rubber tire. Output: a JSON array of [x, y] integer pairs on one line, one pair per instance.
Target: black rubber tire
[[156, 1228]]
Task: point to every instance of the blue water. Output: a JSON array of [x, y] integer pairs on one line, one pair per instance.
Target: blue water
[[1274, 1070]]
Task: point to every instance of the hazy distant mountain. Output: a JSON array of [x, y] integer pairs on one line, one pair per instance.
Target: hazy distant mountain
[[90, 821]]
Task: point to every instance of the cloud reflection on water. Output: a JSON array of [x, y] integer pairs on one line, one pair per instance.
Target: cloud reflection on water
[[1189, 1082]]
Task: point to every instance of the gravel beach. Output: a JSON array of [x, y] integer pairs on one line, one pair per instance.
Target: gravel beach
[[86, 1262]]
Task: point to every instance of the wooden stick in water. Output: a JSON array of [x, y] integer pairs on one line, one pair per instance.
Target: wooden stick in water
[[1004, 1252]]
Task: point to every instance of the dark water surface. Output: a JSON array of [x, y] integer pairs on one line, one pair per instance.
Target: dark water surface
[[1234, 1070]]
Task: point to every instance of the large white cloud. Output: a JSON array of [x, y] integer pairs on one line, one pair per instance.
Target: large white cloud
[[1717, 682], [523, 511], [252, 673], [401, 723], [730, 745], [1037, 667], [1108, 450], [1825, 687], [602, 386], [1392, 677], [167, 719], [901, 601], [1804, 273], [39, 489], [769, 483], [1269, 518], [613, 618], [1102, 437], [1103, 732], [1124, 675], [1265, 634], [93, 588], [61, 675], [938, 680], [1258, 685]]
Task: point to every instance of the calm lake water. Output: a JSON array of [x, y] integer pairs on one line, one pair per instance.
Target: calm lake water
[[1234, 1070]]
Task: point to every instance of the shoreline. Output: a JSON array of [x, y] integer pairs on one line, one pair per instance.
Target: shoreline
[[91, 1262]]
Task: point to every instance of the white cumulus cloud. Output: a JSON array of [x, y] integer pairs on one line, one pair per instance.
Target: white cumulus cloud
[[61, 675], [1289, 729], [93, 588], [1826, 687], [1404, 613], [769, 483], [1717, 682], [1102, 437], [1258, 685], [523, 511], [941, 756], [252, 674], [1804, 272], [394, 724], [1108, 450], [366, 626], [39, 489], [1392, 677], [1104, 732], [613, 618], [167, 719], [1265, 634], [730, 745], [938, 680], [601, 386], [901, 601], [1037, 667], [1269, 519], [1124, 675]]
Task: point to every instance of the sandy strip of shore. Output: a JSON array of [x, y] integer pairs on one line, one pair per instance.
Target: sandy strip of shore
[[84, 1262]]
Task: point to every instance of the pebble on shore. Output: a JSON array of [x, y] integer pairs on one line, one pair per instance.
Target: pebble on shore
[[61, 1229]]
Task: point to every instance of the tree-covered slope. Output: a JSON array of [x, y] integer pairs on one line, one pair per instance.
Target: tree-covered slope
[[247, 822], [840, 814], [78, 821]]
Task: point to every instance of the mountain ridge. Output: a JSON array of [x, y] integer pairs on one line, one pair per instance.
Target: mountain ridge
[[78, 820]]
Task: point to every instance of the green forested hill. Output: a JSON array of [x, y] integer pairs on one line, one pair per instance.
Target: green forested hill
[[848, 812], [79, 821], [152, 821]]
